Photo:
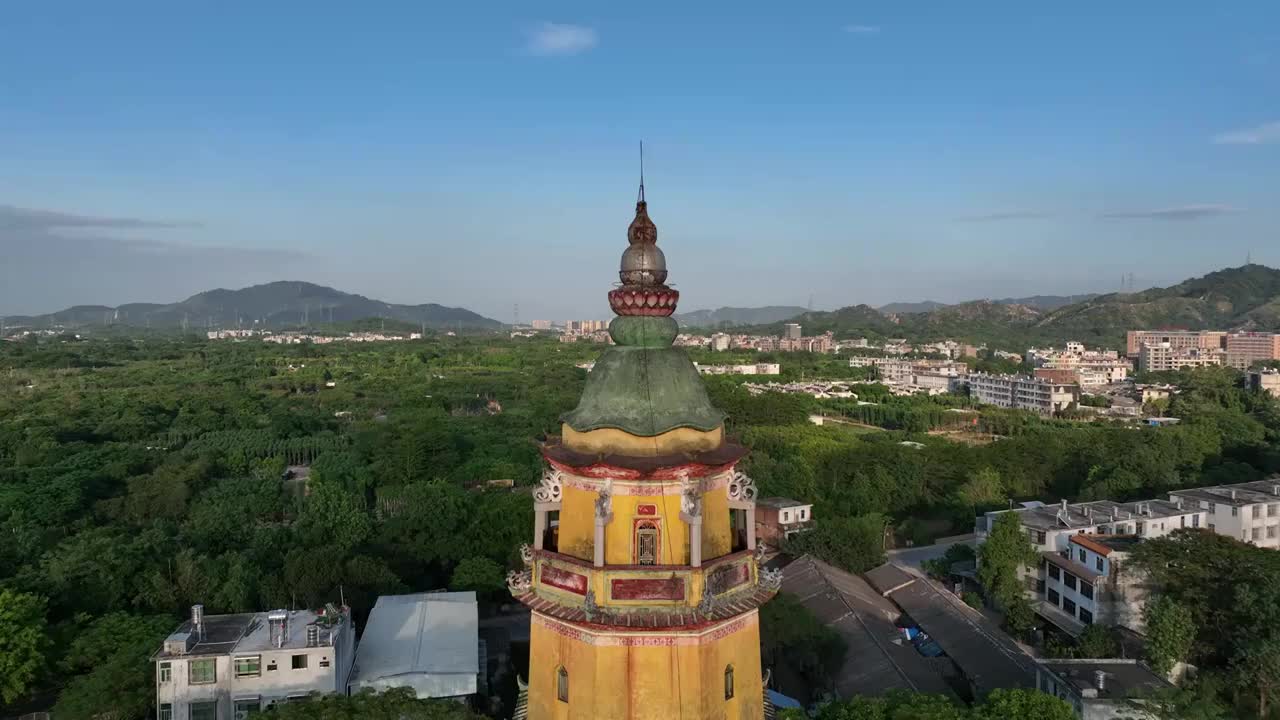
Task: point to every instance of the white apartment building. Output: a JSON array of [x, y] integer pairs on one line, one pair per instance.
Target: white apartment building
[[222, 667], [1249, 512], [1267, 381], [1084, 584], [720, 342], [1021, 392]]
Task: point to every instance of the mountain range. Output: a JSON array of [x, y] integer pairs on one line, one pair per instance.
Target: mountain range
[[1241, 298], [276, 304], [737, 316], [1039, 302]]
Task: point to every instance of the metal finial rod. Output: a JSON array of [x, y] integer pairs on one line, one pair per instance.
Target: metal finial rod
[[641, 199]]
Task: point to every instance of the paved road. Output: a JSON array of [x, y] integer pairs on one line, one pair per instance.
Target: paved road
[[912, 557]]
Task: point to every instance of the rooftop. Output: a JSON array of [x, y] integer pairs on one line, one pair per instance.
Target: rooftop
[[1106, 544], [780, 502], [1122, 678], [878, 660], [425, 641], [1073, 516], [1249, 493], [241, 633]]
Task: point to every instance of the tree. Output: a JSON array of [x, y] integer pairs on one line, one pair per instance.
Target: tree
[[22, 642], [1000, 562], [793, 640], [395, 704], [109, 659], [1019, 704], [479, 574], [982, 488], [855, 543], [1171, 633], [1097, 641]]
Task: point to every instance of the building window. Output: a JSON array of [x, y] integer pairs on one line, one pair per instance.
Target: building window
[[164, 672], [1140, 526], [1182, 521], [1083, 556], [1256, 534], [202, 672], [299, 662], [804, 514], [1273, 510], [1040, 537], [204, 710], [1271, 531], [1235, 511], [248, 666], [562, 684], [1053, 597], [166, 712], [728, 682], [1195, 521], [1098, 564], [1257, 511], [244, 707], [786, 516], [647, 543], [1054, 572], [1069, 580], [1069, 606], [1213, 508], [1086, 590], [324, 662], [1086, 617]]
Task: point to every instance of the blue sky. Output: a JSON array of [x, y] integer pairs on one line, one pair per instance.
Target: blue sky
[[484, 154]]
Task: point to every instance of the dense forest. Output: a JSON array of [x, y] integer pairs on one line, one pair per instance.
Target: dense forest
[[140, 476]]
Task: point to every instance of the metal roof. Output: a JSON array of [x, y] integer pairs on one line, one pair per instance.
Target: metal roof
[[426, 641]]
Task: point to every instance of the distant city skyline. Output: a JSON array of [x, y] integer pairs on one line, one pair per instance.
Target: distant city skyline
[[484, 157]]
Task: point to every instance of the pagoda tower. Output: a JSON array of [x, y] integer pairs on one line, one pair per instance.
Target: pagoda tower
[[643, 577]]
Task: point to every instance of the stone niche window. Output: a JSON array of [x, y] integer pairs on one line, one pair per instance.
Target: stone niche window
[[562, 684], [728, 682]]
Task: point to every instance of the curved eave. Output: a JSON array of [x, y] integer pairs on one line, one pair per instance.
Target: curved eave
[[660, 467], [665, 620]]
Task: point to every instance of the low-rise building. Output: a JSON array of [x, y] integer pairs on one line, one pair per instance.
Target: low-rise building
[[778, 518], [222, 667], [1163, 357], [1249, 512], [1176, 339], [1088, 583], [1024, 393], [427, 642], [1243, 349], [1107, 689], [1267, 381]]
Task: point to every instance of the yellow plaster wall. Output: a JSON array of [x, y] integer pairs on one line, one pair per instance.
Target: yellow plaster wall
[[577, 525], [620, 442], [655, 682]]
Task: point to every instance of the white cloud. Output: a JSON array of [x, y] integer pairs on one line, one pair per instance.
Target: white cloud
[[550, 38], [1266, 133], [1183, 212], [862, 29]]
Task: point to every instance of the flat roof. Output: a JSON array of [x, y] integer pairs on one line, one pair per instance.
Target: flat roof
[[428, 642], [1247, 493], [988, 657], [1106, 544], [781, 502], [243, 633], [1123, 678], [1076, 516], [878, 659]]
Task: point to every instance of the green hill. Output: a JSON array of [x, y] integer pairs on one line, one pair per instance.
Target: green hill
[[1246, 298]]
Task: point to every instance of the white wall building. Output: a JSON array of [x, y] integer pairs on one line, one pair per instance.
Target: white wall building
[[1100, 689], [221, 667], [1249, 512], [1024, 393]]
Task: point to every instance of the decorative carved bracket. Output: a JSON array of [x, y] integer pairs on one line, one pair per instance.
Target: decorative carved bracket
[[771, 579], [526, 554], [690, 496], [604, 503], [551, 489], [519, 582], [742, 487], [589, 604]]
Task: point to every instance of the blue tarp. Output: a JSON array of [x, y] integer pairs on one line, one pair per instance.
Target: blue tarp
[[781, 701]]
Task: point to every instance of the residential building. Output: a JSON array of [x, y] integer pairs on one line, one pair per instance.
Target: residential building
[[221, 667], [428, 642], [753, 369], [1021, 392], [1267, 381], [1085, 584], [1165, 356], [791, 331], [1177, 339], [1106, 689], [1246, 348], [720, 342], [1249, 511], [1050, 527], [541, 325], [778, 518]]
